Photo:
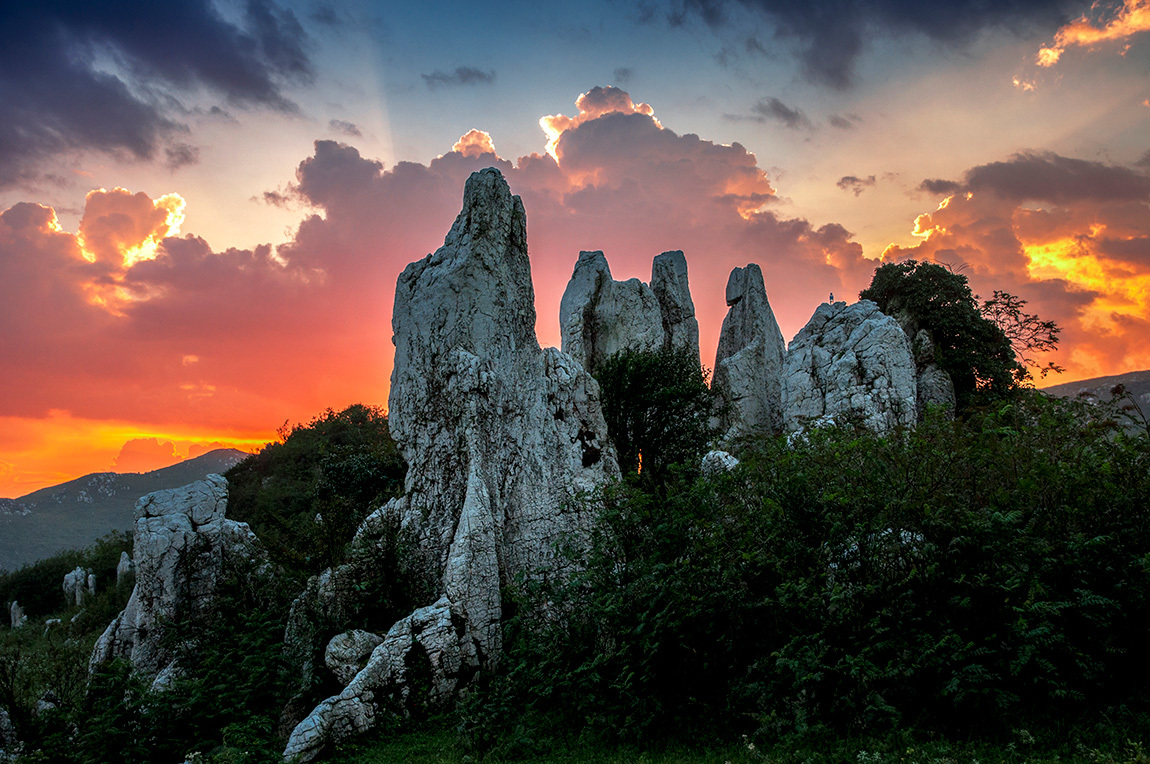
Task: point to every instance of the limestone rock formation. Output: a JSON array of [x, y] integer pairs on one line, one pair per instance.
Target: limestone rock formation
[[501, 437], [181, 539], [935, 387], [124, 568], [92, 584], [599, 316], [348, 653], [850, 360], [718, 462], [73, 586], [748, 374], [10, 746], [16, 615]]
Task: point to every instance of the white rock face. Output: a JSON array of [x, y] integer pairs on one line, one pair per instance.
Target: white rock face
[[599, 316], [348, 653], [124, 568], [748, 375], [500, 438], [16, 615], [181, 537], [73, 586], [935, 387], [850, 360], [92, 583]]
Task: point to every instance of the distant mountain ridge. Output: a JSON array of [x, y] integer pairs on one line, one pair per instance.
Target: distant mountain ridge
[[1137, 383], [72, 515]]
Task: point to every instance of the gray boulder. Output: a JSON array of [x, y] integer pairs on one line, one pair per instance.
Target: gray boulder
[[10, 745], [181, 540], [348, 653], [501, 439], [850, 361], [935, 387], [748, 375], [718, 462], [599, 316]]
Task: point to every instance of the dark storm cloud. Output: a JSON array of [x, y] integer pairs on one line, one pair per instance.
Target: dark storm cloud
[[844, 121], [344, 127], [830, 33], [1046, 176], [623, 74], [774, 110], [58, 94], [855, 184], [181, 154], [463, 75]]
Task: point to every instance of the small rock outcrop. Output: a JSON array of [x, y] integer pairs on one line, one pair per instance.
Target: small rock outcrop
[[10, 746], [92, 584], [935, 387], [501, 437], [124, 568], [347, 653], [181, 539], [16, 615], [718, 462], [748, 375], [850, 360], [599, 316], [73, 586]]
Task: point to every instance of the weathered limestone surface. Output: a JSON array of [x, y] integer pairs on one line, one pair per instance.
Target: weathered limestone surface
[[16, 616], [850, 360], [677, 309], [73, 585], [181, 538], [599, 316], [718, 462], [500, 438], [935, 387], [348, 653], [748, 375], [124, 568]]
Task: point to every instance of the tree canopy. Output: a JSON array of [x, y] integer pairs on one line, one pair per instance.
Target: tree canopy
[[972, 341]]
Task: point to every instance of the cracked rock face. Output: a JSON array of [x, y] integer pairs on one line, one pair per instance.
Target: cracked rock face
[[748, 375], [935, 387], [500, 436], [599, 316], [850, 360], [181, 537]]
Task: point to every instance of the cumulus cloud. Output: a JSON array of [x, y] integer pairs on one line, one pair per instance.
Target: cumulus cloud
[[61, 96], [144, 455], [830, 35], [474, 143], [463, 75], [1070, 235]]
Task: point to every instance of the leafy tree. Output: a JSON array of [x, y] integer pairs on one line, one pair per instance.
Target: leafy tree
[[1027, 333], [658, 407], [306, 495], [971, 347]]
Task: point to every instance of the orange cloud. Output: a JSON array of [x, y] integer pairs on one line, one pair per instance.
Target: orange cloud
[[1131, 19], [1070, 236], [591, 105], [474, 143], [121, 228], [144, 455]]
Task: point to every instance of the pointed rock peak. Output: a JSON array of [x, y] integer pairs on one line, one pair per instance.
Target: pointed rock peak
[[743, 280], [490, 210]]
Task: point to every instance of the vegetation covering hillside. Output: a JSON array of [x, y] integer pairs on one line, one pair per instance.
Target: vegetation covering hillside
[[73, 515]]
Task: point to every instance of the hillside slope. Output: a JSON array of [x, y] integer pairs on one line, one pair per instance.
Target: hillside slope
[[74, 514]]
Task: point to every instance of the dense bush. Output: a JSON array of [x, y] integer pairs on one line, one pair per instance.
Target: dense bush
[[658, 408], [306, 495], [963, 576], [38, 585]]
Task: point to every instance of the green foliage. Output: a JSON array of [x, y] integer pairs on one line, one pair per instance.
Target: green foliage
[[967, 576], [971, 348], [339, 467], [657, 404]]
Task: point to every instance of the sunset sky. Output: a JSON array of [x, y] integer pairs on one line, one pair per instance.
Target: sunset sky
[[204, 205]]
